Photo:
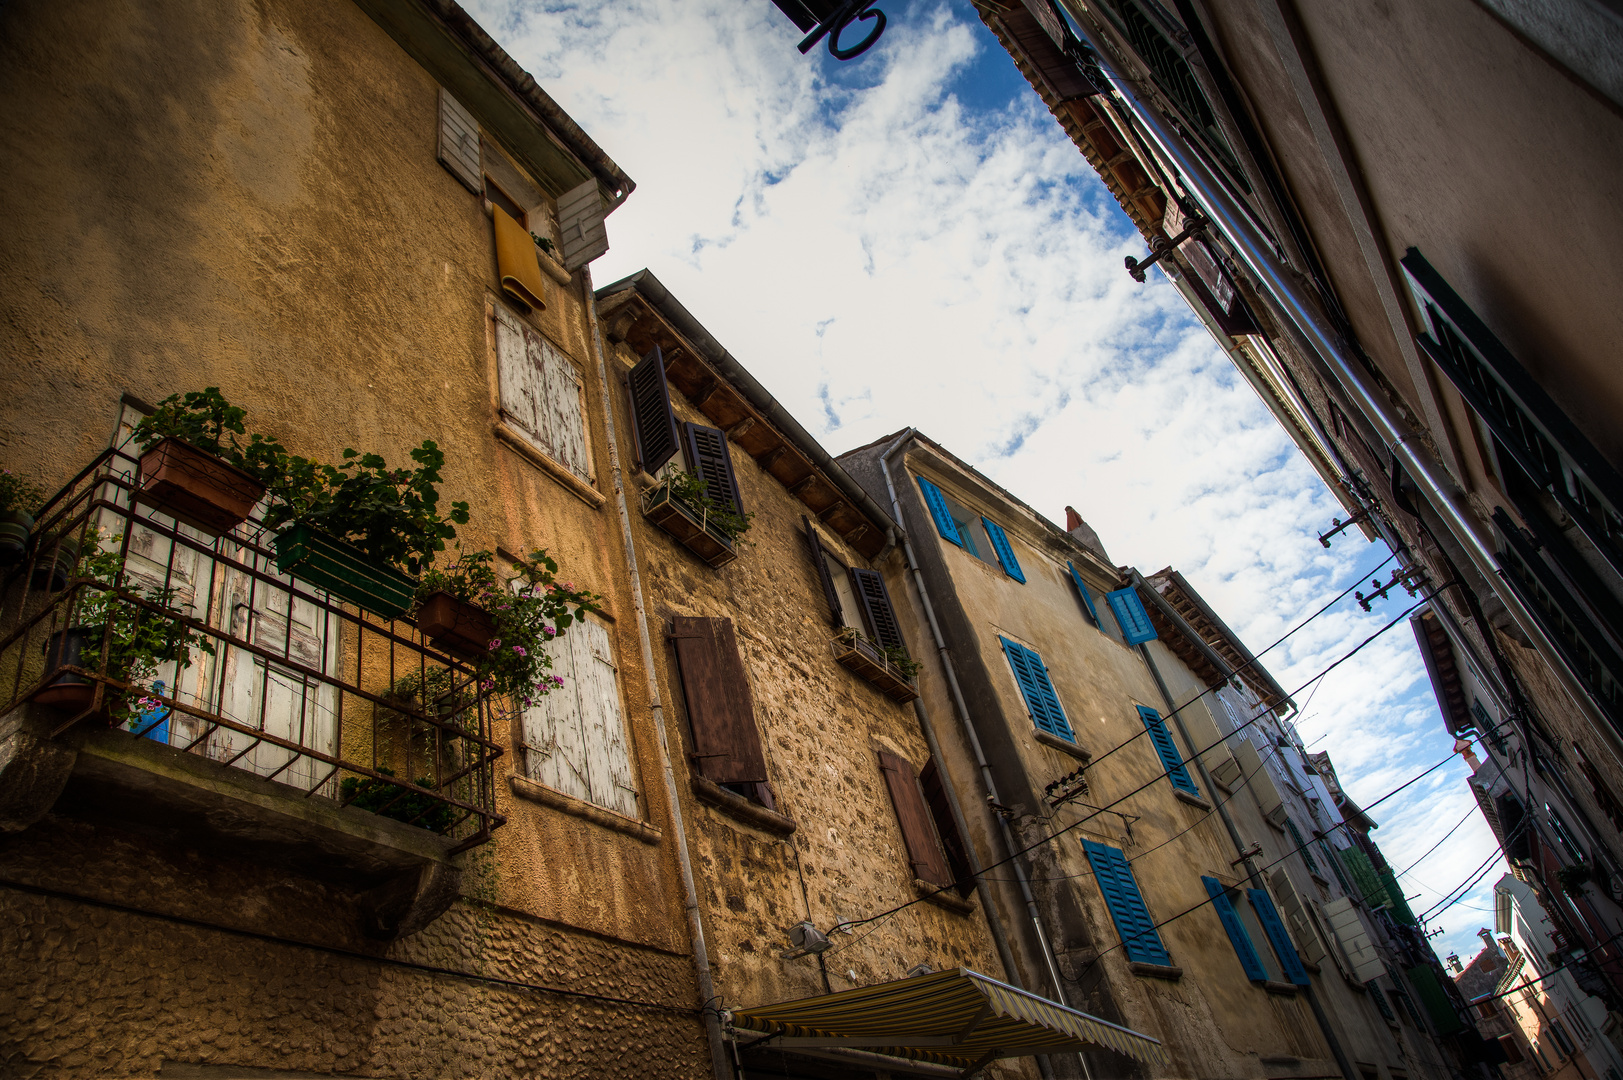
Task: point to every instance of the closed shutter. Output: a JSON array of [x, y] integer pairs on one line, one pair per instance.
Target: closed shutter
[[937, 503], [1302, 847], [459, 143], [708, 454], [946, 827], [574, 737], [1400, 906], [726, 745], [918, 830], [1263, 904], [1082, 591], [820, 560], [1138, 935], [581, 235], [1350, 934], [1241, 940], [1131, 616], [1005, 553], [1297, 914], [1167, 750], [541, 394], [1366, 882], [651, 416], [1041, 701], [875, 601]]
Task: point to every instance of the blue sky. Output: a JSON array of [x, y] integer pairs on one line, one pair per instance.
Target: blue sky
[[910, 239]]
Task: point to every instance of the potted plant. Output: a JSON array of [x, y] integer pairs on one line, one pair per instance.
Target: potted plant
[[1573, 878], [138, 640], [393, 801], [891, 669], [194, 467], [502, 624], [361, 530], [709, 527], [19, 502]]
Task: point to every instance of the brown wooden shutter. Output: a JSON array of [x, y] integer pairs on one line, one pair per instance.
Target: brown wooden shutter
[[918, 830], [875, 601], [820, 560], [710, 458], [651, 414], [952, 841], [726, 745], [459, 143]]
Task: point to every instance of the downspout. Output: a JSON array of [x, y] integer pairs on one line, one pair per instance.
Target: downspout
[[1403, 441], [690, 896], [1251, 872], [1009, 843]]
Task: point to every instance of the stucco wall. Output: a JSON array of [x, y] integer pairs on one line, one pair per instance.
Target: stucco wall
[[247, 195]]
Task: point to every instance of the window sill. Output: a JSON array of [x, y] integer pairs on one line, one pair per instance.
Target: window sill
[[713, 794], [1060, 744], [1193, 800], [1155, 971], [577, 487], [1282, 989], [949, 899], [525, 788]]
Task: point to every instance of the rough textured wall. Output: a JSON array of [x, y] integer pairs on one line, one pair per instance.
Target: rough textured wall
[[821, 728], [247, 195]]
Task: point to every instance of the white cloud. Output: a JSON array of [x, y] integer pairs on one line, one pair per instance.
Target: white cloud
[[880, 254]]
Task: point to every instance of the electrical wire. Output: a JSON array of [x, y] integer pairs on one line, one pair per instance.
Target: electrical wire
[[1463, 889]]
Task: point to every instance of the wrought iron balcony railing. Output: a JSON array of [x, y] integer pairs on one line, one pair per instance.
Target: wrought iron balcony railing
[[118, 615]]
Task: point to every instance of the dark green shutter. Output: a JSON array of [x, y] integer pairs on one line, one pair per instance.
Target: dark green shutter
[[1041, 701], [1138, 935], [1274, 927], [707, 449], [1238, 937], [1301, 845], [1005, 553], [1400, 906], [937, 503], [1167, 750], [1435, 1000], [875, 601], [1131, 616], [652, 419]]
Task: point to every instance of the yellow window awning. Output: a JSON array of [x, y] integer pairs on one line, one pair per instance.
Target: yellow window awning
[[959, 1018]]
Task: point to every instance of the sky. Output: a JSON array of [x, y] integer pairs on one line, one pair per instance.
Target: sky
[[908, 238]]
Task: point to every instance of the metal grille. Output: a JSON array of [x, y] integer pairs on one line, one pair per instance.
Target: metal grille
[[277, 678]]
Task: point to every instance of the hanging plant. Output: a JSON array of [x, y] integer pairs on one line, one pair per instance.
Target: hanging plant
[[693, 490], [194, 467], [1573, 878], [20, 500]]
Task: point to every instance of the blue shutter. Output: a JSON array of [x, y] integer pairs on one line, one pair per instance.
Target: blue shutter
[[1130, 613], [937, 503], [1082, 588], [1005, 553], [1138, 936], [1241, 940], [1041, 700], [1281, 941], [1167, 750]]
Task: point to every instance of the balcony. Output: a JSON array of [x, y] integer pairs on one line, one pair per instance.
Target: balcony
[[265, 711], [691, 526], [853, 652]]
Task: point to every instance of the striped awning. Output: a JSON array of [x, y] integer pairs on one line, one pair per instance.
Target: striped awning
[[958, 1018]]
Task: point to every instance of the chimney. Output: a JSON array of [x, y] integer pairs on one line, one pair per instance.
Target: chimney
[[1454, 962], [1083, 533], [1487, 939], [1073, 520], [1462, 747]]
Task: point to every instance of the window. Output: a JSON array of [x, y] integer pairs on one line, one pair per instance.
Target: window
[[1139, 938], [1302, 847], [946, 827], [1131, 616], [834, 577], [1250, 919], [980, 536], [1274, 928], [1041, 701], [1167, 750], [925, 850], [1563, 834], [497, 197], [542, 398], [725, 745], [574, 737], [1082, 592], [1513, 1049], [1501, 912], [1223, 902]]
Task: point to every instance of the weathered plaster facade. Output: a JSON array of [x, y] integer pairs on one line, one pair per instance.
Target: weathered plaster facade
[[247, 195]]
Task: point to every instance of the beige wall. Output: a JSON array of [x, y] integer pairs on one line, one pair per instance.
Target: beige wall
[[247, 195]]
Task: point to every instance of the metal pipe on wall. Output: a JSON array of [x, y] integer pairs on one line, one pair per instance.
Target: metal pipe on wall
[[1403, 441], [719, 1062]]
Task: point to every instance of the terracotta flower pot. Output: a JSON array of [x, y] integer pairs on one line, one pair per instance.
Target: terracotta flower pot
[[455, 626], [15, 527], [196, 488]]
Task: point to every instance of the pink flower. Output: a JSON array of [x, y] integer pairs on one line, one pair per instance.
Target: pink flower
[[549, 631], [495, 643], [488, 684], [557, 681], [520, 650]]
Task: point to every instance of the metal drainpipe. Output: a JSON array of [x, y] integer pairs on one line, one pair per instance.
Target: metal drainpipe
[[690, 896], [1239, 848], [1402, 440], [1009, 843]]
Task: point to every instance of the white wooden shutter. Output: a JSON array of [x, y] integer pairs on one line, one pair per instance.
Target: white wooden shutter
[[541, 394], [1353, 938], [1290, 903], [580, 225], [459, 143], [575, 736]]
